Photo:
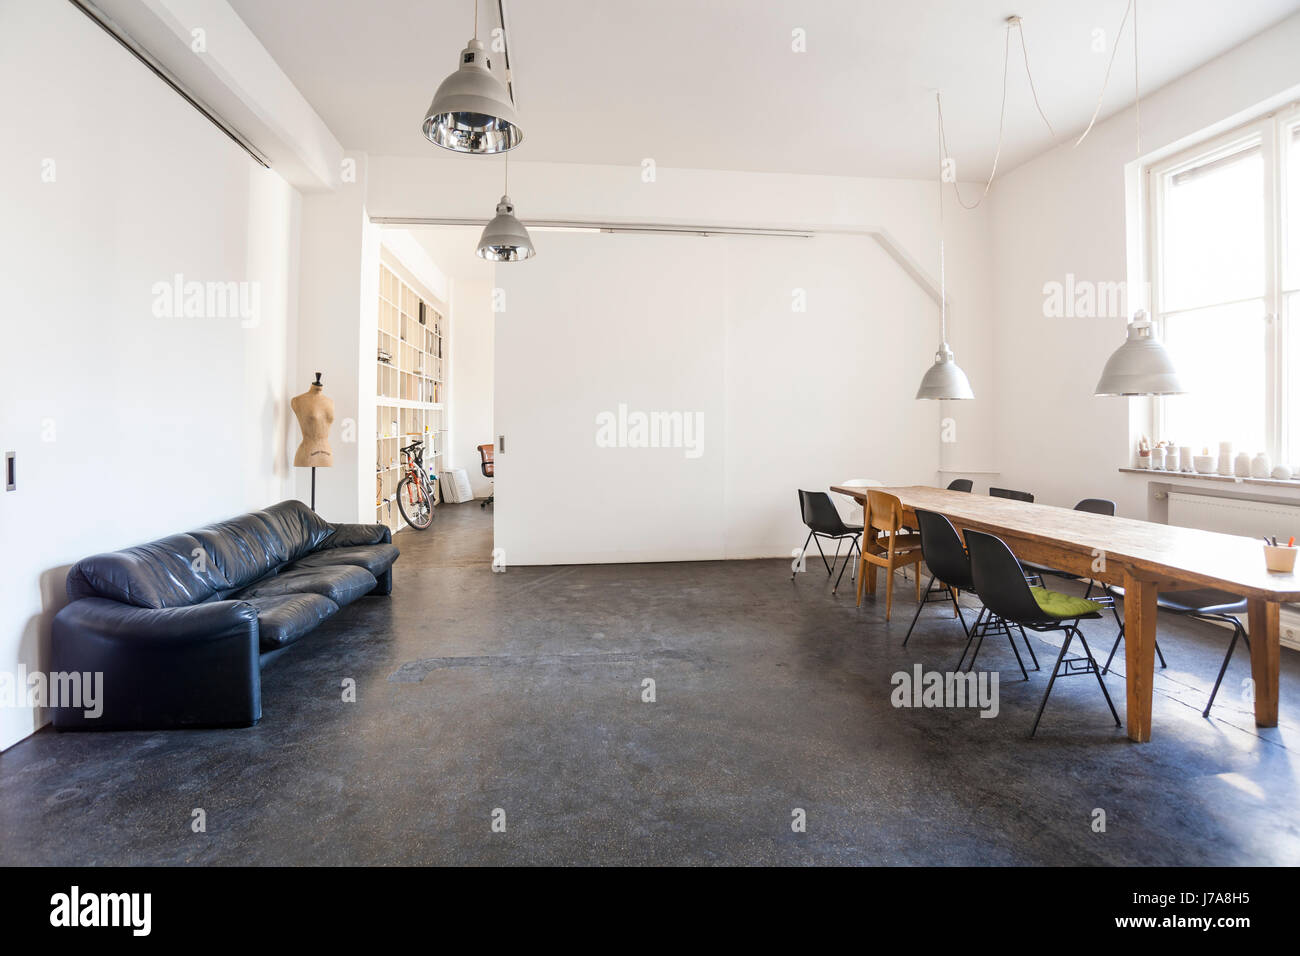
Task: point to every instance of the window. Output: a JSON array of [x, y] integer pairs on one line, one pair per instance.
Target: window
[[1225, 291]]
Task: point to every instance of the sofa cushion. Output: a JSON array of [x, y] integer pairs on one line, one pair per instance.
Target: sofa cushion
[[243, 548], [299, 528], [283, 618], [341, 583], [375, 558], [172, 572]]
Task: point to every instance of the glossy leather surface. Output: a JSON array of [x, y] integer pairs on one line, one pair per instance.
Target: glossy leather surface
[[175, 667], [168, 625], [375, 558], [283, 618], [341, 583]]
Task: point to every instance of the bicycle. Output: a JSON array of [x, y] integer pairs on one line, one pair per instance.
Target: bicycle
[[414, 491]]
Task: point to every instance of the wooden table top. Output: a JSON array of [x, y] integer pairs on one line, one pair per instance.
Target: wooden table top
[[1201, 558]]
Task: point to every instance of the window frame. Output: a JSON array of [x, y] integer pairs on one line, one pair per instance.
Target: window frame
[[1275, 134]]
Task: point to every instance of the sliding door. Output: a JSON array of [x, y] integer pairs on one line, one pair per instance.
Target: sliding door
[[609, 355]]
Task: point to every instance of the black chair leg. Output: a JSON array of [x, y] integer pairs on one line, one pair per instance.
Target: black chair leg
[[921, 604], [1237, 631], [1114, 647], [1012, 639], [956, 605], [1065, 645], [1092, 663], [848, 560], [802, 552], [979, 642], [970, 636], [817, 540], [1030, 647]]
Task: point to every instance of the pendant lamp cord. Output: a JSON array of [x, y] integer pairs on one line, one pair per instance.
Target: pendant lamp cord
[[1131, 9], [1016, 24], [943, 286], [475, 19]]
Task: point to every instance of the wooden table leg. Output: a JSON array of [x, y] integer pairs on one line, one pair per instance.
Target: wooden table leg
[[1265, 658], [1139, 654]]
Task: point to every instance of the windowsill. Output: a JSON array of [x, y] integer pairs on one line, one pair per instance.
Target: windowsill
[[1161, 475]]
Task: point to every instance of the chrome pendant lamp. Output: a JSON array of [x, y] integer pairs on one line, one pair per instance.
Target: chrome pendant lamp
[[505, 239], [945, 379], [1141, 366], [473, 111]]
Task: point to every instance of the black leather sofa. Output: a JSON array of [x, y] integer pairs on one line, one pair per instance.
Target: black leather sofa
[[180, 627]]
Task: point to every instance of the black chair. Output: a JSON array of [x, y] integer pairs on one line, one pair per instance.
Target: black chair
[[823, 521], [1000, 583], [960, 484], [948, 562], [1014, 495], [1203, 604]]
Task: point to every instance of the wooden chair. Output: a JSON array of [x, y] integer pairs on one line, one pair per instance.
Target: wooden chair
[[884, 545]]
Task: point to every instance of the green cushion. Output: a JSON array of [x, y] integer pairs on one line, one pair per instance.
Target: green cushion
[[1063, 606]]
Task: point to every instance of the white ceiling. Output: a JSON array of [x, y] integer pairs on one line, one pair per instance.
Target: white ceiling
[[714, 83]]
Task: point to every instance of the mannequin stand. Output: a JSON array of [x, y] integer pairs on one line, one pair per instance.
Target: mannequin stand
[[313, 488]]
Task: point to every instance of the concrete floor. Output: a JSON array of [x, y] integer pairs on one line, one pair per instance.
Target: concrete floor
[[522, 691]]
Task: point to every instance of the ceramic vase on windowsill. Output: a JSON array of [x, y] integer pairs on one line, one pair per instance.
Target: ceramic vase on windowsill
[[1225, 458]]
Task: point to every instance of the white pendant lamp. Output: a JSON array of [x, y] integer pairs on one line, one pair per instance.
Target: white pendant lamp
[[473, 111], [1141, 366], [945, 379], [505, 239]]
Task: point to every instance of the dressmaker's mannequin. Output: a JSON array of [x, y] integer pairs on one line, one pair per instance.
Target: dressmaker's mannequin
[[315, 411]]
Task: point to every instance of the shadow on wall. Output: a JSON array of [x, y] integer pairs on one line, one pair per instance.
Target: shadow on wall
[[34, 648]]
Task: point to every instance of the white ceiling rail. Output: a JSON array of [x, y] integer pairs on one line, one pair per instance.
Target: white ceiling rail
[[882, 237]]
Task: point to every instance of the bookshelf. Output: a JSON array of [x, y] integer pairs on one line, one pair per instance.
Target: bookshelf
[[409, 387]]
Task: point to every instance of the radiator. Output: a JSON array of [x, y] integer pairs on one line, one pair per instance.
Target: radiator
[[1254, 519]]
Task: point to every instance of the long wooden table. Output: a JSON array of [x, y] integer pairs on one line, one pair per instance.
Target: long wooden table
[[1144, 558]]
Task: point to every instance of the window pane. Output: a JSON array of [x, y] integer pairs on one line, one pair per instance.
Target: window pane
[[1291, 315], [1292, 211], [1213, 232], [1220, 357]]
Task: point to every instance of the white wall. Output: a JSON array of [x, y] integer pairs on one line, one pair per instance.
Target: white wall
[[471, 378], [707, 327], [1064, 212], [442, 186], [339, 306], [128, 426]]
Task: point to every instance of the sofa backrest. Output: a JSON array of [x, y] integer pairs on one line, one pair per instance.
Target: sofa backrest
[[184, 569]]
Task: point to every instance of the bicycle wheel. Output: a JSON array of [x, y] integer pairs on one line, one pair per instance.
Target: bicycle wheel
[[413, 501]]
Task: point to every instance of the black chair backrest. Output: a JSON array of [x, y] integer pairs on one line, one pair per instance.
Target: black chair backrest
[[1008, 493], [960, 484], [943, 551], [819, 513], [1097, 506], [1000, 581]]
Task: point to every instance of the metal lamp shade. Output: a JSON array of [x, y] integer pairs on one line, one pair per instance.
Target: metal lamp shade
[[1141, 366], [505, 239], [472, 112], [945, 379]]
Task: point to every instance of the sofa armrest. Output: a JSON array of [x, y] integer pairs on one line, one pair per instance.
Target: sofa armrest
[[195, 666], [353, 535]]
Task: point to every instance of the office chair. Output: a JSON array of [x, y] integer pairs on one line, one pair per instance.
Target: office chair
[[823, 521], [1013, 495], [960, 484], [487, 464], [1001, 585]]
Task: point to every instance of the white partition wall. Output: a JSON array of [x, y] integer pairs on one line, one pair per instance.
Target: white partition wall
[[663, 397]]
